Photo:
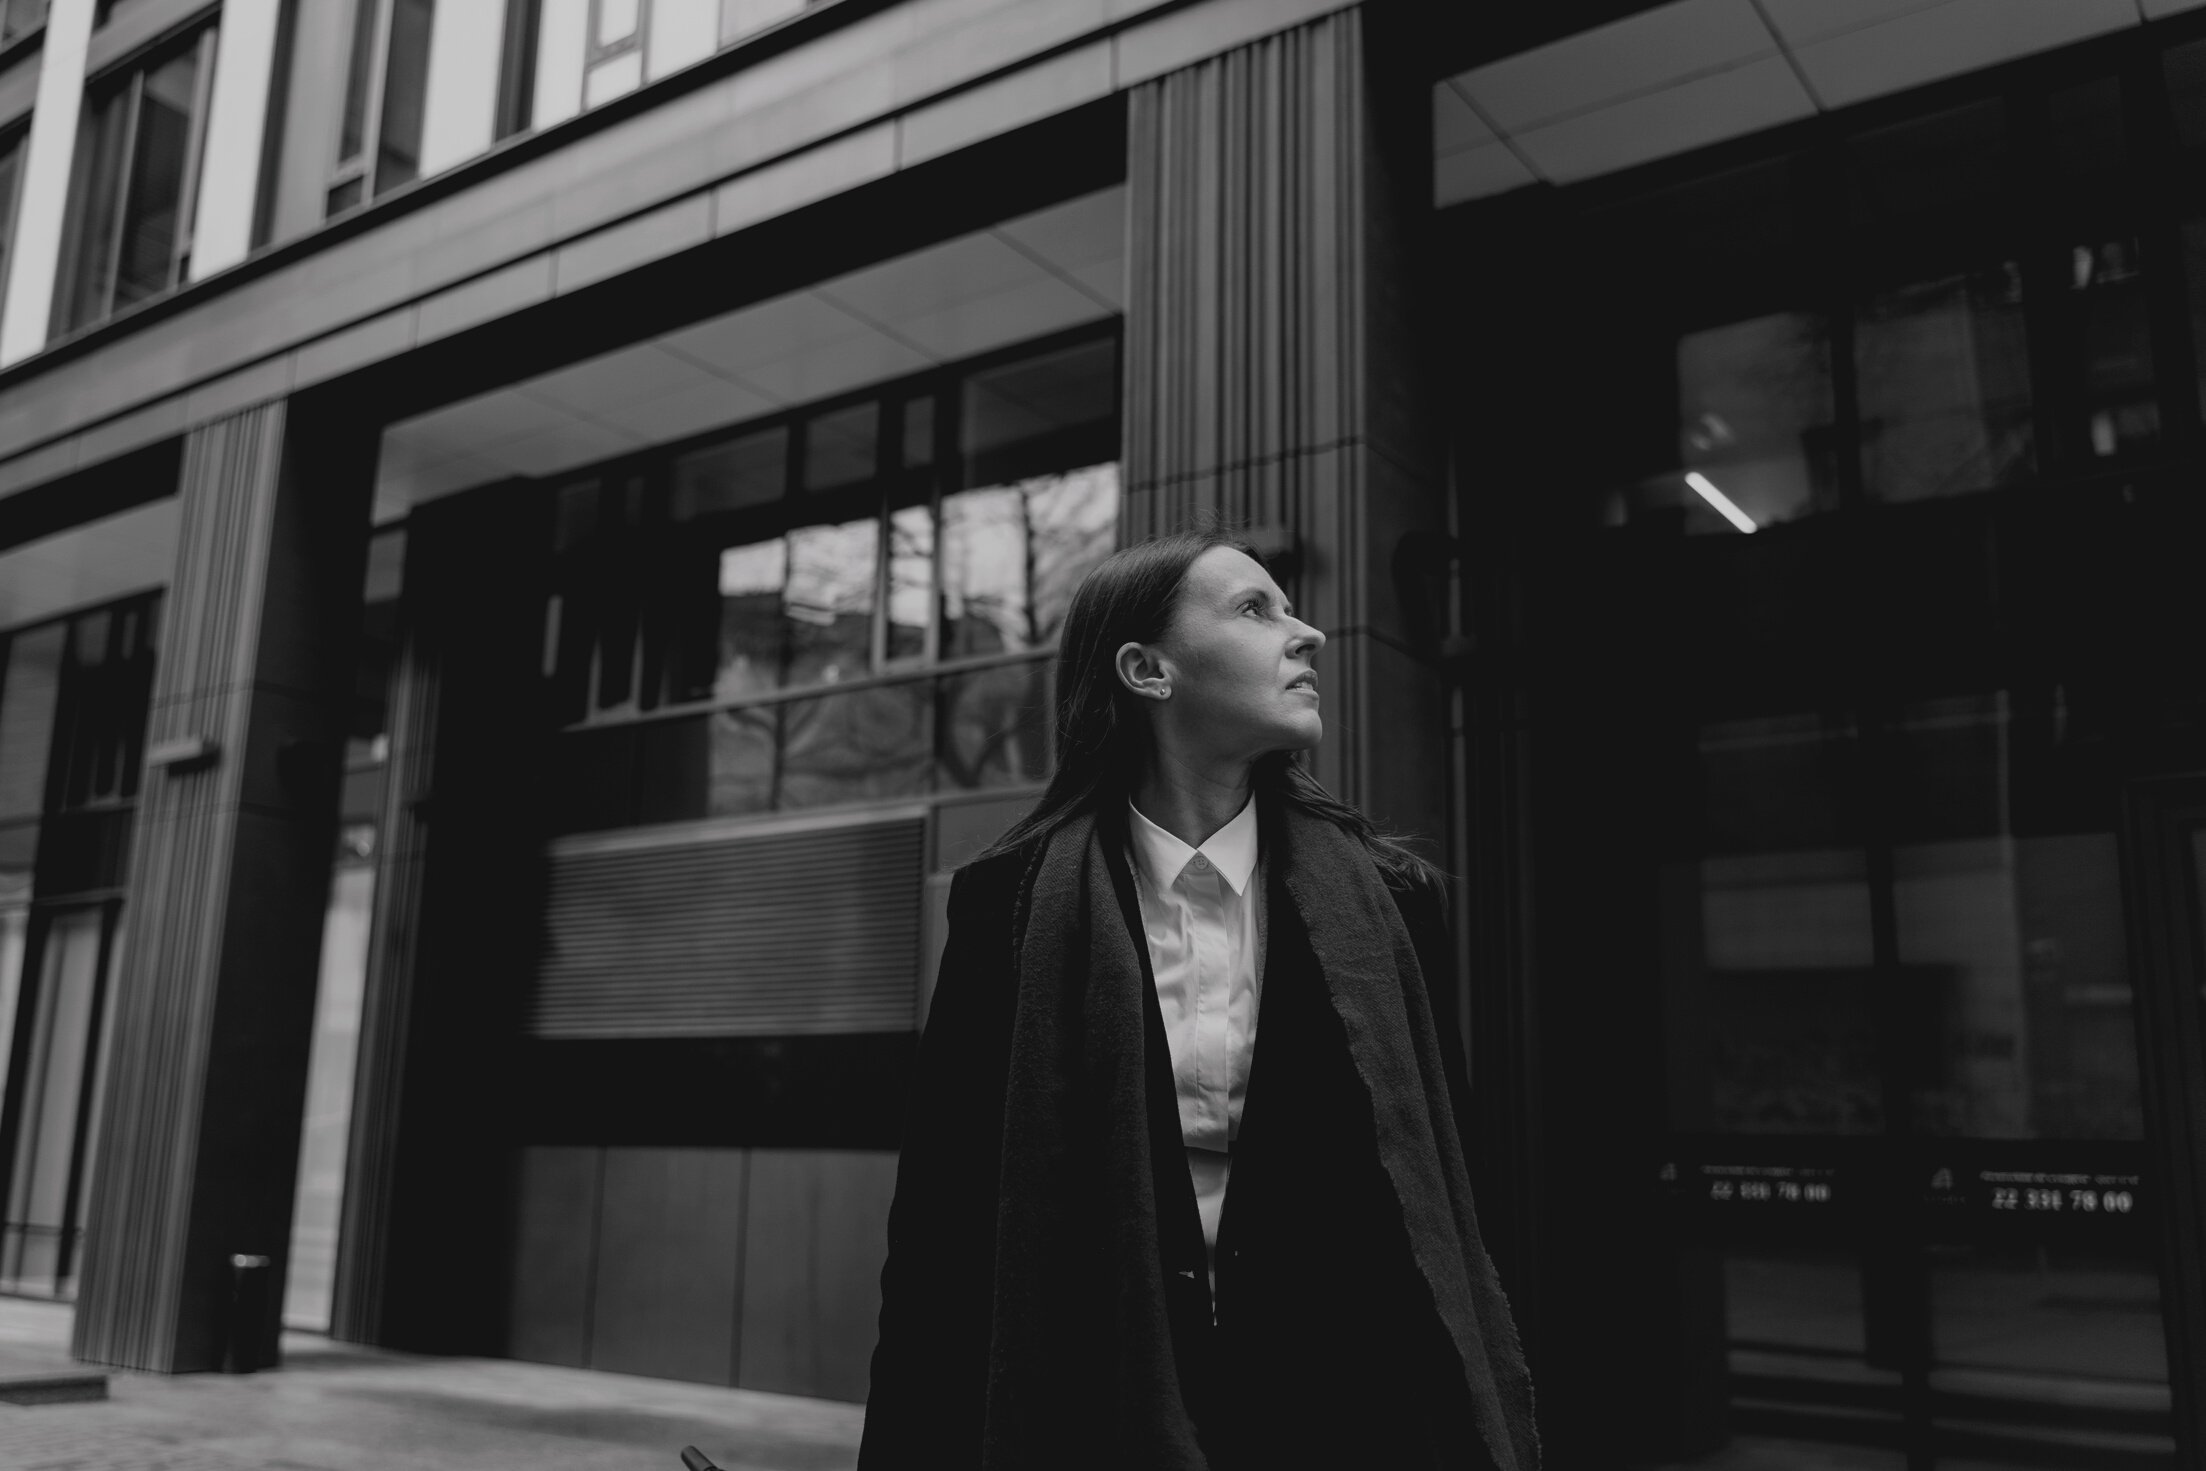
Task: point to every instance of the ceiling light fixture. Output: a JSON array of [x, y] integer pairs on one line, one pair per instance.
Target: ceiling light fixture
[[1725, 506]]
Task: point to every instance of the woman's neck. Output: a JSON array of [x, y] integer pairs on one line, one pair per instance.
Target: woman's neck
[[1189, 804]]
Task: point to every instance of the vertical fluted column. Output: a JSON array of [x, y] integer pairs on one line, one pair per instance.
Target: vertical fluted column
[[198, 1137], [1269, 363], [458, 911]]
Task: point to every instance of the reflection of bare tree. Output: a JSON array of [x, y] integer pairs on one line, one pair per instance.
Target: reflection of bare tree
[[1012, 556], [864, 743], [993, 726]]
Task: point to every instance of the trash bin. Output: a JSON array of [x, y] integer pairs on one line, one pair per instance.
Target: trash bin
[[245, 1345]]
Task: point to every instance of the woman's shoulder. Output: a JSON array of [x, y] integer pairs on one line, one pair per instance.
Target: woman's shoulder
[[992, 880]]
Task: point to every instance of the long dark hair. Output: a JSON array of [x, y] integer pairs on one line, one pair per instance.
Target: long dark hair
[[1102, 735]]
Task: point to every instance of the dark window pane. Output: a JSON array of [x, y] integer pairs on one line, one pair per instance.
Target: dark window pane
[[1944, 372], [746, 745], [147, 261], [405, 91], [840, 447], [673, 769], [918, 432], [1769, 962], [574, 514], [1042, 413], [346, 195], [2017, 938], [861, 745], [1754, 422], [2185, 67], [352, 137], [11, 175], [1934, 189], [28, 695], [2119, 400], [994, 729], [829, 600], [107, 139], [725, 477], [592, 780], [616, 645]]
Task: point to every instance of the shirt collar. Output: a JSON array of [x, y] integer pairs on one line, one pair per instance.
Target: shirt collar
[[1231, 849]]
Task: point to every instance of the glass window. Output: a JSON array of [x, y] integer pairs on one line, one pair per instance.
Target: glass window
[[1944, 379], [2015, 939], [1012, 555], [386, 93], [614, 63], [43, 1217], [828, 601], [994, 727], [1040, 413], [686, 581], [30, 692], [137, 177], [862, 745], [840, 446], [747, 471], [918, 433], [910, 584], [11, 178], [19, 18], [1769, 957], [1754, 421]]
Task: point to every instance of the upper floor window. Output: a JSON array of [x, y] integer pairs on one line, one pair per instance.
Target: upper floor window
[[136, 181], [590, 51], [386, 89], [11, 179], [857, 602], [20, 18]]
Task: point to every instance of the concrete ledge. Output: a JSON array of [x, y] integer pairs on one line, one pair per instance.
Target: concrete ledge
[[52, 1386]]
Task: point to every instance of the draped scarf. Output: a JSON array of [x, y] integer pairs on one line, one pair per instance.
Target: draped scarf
[[1081, 1339]]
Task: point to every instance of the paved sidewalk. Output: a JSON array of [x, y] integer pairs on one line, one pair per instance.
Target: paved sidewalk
[[334, 1407]]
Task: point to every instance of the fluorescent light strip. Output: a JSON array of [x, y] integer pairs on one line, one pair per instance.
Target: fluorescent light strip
[[1725, 506]]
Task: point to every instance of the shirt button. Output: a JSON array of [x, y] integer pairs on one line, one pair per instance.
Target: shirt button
[[1199, 863]]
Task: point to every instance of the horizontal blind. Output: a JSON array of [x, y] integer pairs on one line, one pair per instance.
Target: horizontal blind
[[741, 937]]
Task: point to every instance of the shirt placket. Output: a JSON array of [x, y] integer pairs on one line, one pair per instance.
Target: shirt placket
[[1211, 1002]]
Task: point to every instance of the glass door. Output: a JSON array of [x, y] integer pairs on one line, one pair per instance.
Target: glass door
[[2165, 853], [1908, 1124], [57, 1061]]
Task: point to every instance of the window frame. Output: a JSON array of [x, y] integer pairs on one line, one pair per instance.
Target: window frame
[[653, 539], [361, 168], [86, 192]]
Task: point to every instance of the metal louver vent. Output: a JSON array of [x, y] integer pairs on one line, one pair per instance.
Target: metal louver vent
[[805, 932]]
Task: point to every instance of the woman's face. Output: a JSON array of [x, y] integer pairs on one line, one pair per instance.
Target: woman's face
[[1237, 663]]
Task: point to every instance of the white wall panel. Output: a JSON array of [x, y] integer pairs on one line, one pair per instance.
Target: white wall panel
[[562, 42], [237, 115], [44, 193], [683, 33], [459, 115]]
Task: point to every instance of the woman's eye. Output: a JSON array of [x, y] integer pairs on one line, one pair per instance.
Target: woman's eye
[[1257, 604]]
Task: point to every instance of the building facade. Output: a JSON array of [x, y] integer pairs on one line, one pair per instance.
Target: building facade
[[532, 537]]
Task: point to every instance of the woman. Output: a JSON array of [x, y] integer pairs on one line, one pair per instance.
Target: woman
[[1124, 1234]]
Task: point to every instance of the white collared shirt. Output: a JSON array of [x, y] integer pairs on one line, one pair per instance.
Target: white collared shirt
[[1202, 912]]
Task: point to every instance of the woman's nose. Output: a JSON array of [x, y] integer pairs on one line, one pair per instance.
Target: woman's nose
[[1307, 640]]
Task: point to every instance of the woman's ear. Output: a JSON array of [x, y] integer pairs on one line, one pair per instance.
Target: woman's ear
[[1142, 669]]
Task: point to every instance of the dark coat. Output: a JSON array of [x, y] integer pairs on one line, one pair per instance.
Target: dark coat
[[1324, 1349]]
